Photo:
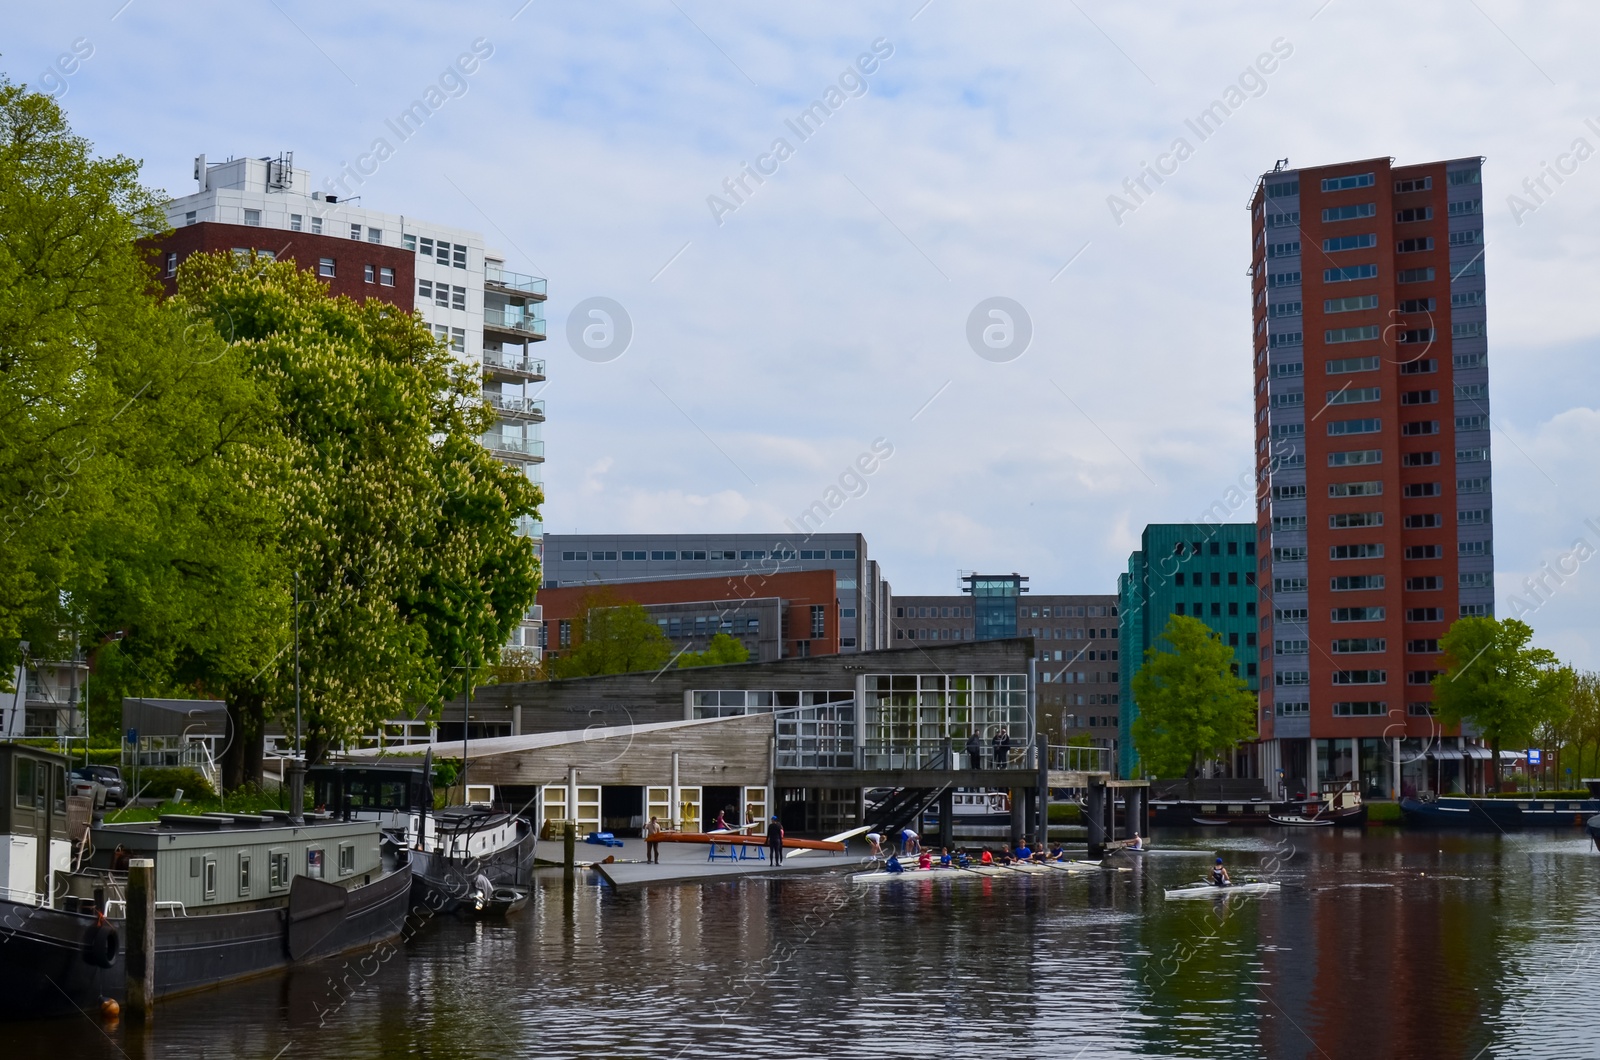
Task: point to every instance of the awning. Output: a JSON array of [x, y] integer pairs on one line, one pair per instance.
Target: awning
[[1444, 752], [1515, 756], [1479, 752]]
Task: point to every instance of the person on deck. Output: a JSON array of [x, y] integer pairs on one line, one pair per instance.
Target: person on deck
[[974, 750], [894, 865], [775, 841], [721, 823], [1219, 875], [875, 841], [910, 842], [652, 849]]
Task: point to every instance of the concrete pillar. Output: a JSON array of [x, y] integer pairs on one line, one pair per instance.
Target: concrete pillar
[[516, 719], [1313, 781], [1394, 761], [947, 813], [1016, 816], [572, 793], [139, 962], [569, 852], [674, 794], [1095, 814], [1042, 760]]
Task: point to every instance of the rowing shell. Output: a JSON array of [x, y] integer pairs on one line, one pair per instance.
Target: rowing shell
[[1209, 890], [733, 838], [1301, 822]]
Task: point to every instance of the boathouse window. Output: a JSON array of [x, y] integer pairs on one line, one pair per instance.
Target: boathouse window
[[210, 878], [314, 863], [347, 858], [30, 789], [277, 870], [244, 875]]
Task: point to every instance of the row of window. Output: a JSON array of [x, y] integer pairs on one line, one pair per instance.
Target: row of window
[[1350, 273], [1197, 578], [1193, 548], [1199, 609], [1464, 517], [1413, 614], [641, 555], [443, 295], [1286, 188], [707, 625], [441, 251], [1372, 425]]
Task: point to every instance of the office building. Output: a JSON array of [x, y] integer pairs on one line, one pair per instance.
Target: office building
[[1372, 435], [625, 559], [1076, 647], [775, 616], [489, 316], [1202, 570]]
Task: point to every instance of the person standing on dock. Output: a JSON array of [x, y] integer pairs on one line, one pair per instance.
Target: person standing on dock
[[875, 841], [775, 840], [974, 750], [910, 842], [652, 849]]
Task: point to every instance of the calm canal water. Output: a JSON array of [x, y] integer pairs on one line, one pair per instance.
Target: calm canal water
[[1381, 944]]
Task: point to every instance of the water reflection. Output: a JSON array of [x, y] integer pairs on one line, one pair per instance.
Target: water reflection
[[1380, 944]]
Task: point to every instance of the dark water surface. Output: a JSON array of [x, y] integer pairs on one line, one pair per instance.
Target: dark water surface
[[1381, 944]]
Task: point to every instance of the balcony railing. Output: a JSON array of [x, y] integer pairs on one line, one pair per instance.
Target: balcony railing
[[515, 281], [522, 408], [512, 362], [514, 322], [520, 447]]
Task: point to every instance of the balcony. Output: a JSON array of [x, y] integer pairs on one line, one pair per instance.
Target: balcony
[[516, 408], [516, 366], [514, 323], [514, 283], [519, 450]]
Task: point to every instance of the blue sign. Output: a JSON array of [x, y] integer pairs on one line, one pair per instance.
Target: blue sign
[[1535, 756], [133, 736]]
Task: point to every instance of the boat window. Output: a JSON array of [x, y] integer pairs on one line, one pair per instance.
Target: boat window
[[60, 788], [314, 863], [210, 878], [347, 858], [244, 875], [277, 870], [25, 782]]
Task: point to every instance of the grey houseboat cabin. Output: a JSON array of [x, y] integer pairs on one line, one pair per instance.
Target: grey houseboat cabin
[[236, 894]]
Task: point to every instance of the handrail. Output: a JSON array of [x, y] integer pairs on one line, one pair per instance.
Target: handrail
[[499, 318], [516, 281]]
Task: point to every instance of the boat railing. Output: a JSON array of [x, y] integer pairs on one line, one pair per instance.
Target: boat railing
[[117, 909]]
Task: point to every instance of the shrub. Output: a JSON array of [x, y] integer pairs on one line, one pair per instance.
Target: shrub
[[161, 782], [1572, 793], [1066, 813], [1384, 813]]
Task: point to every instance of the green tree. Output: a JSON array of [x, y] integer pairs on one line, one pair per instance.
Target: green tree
[[614, 636], [1192, 704], [397, 526], [1582, 729], [1495, 682], [723, 650]]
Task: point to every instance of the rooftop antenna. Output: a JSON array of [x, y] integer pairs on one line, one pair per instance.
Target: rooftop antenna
[[1278, 166]]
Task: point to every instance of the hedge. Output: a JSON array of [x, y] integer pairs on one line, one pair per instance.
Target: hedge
[[1384, 813], [161, 782], [1065, 813], [1571, 793]]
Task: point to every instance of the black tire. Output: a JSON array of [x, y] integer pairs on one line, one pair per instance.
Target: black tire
[[100, 945]]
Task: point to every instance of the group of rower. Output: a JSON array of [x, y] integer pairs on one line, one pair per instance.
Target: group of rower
[[962, 858]]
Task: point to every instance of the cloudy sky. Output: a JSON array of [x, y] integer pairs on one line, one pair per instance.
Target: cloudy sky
[[778, 332]]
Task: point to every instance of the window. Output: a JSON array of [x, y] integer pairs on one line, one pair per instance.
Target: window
[[1291, 709], [244, 875], [209, 878], [1422, 647], [316, 225], [252, 218], [1424, 552], [1466, 300], [369, 274], [1472, 423], [564, 633], [1420, 366], [1289, 554], [1415, 275], [295, 222], [1368, 551], [1357, 614], [1283, 220], [1347, 365], [1465, 239], [1470, 392], [1355, 180], [632, 556], [1339, 427], [1468, 331], [1424, 584], [1359, 645], [1353, 457], [1371, 488], [1284, 279], [1291, 400], [1414, 245], [189, 218], [172, 264], [1283, 523], [1287, 338], [386, 276], [408, 240], [1413, 213], [1283, 250], [1420, 489], [1420, 397], [1470, 516], [1288, 585], [1471, 456], [1349, 213], [1465, 176], [1424, 614], [374, 235], [1291, 647], [1472, 548], [1361, 709], [347, 858], [1351, 304], [1292, 678], [458, 256], [325, 267], [1348, 273], [1348, 583], [1360, 677], [1416, 335], [355, 230], [1286, 309], [1356, 242], [1354, 395], [1361, 334], [819, 620], [1474, 611], [1401, 187], [1283, 189], [1421, 677], [1419, 427], [1292, 614], [1419, 460], [1416, 305], [1428, 521], [277, 870], [1351, 520]]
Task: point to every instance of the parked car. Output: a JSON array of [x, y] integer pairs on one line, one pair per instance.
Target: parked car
[[111, 778], [81, 782]]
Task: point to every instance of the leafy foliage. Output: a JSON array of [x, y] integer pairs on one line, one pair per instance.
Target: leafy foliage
[[1493, 680], [723, 650], [1191, 705], [614, 636]]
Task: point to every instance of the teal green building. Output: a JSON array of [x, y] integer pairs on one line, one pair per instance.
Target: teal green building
[[1203, 570]]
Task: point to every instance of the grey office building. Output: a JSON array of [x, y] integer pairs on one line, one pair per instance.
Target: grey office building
[[617, 559]]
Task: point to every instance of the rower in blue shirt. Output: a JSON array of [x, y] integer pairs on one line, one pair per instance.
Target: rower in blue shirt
[[894, 865], [1022, 851], [944, 857]]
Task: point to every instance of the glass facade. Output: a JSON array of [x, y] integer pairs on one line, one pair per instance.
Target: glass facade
[[906, 718], [994, 604]]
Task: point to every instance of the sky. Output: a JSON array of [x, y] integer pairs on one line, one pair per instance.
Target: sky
[[838, 297]]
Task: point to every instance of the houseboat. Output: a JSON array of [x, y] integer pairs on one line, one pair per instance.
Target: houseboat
[[237, 895]]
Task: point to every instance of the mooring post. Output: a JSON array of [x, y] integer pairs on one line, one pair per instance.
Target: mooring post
[[1096, 815], [139, 962], [947, 813], [1018, 816], [569, 851], [1044, 790]]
